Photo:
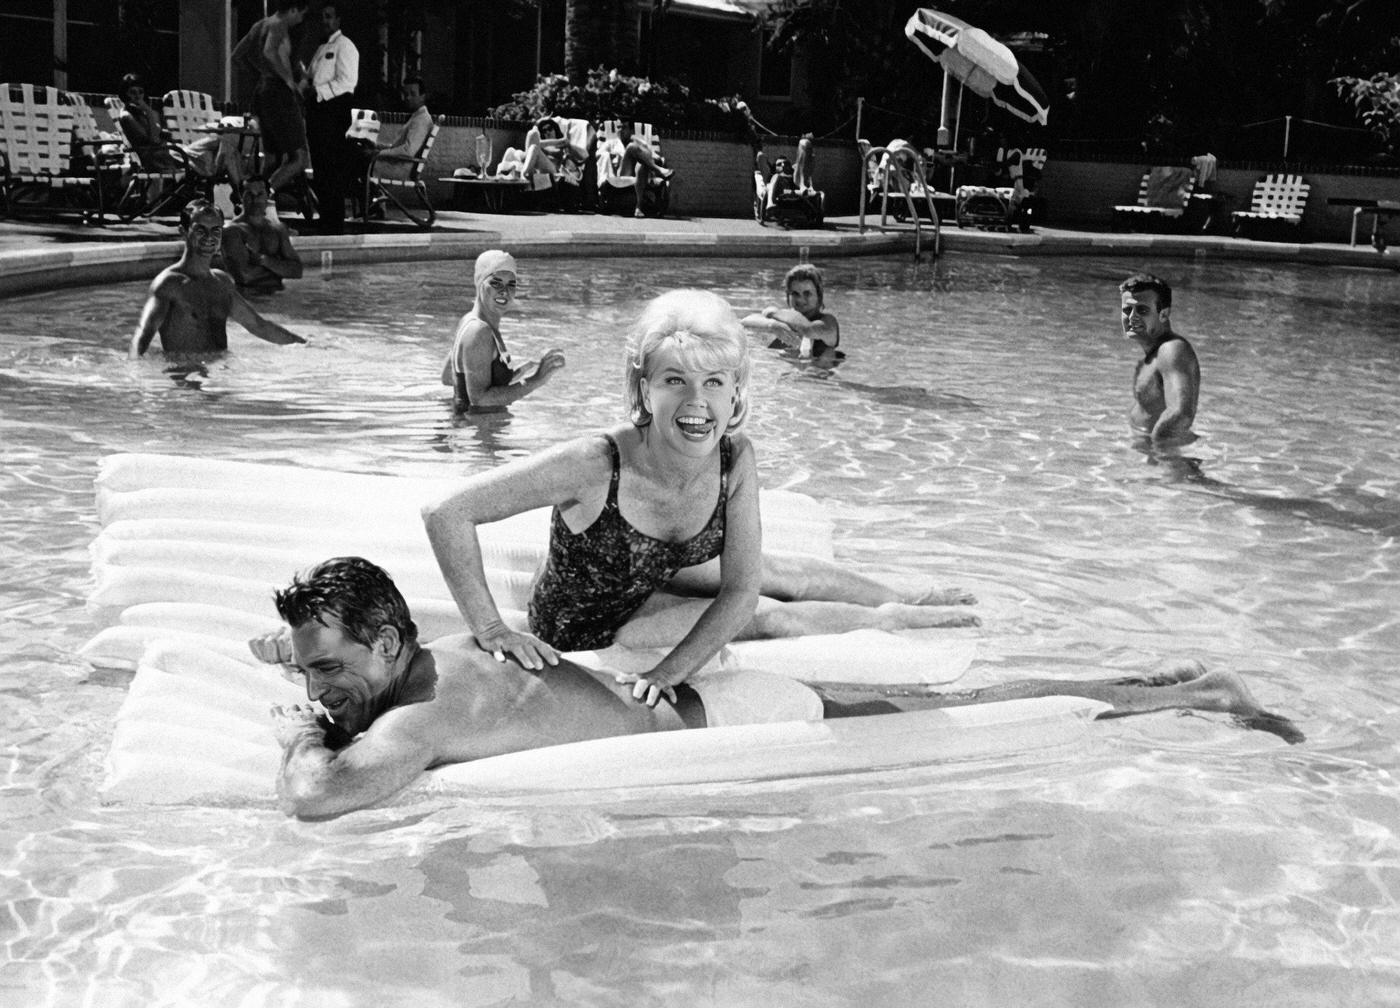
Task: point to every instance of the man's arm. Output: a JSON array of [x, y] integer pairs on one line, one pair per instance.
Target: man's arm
[[277, 49], [242, 312], [153, 315], [239, 258], [315, 782], [1177, 366], [284, 262]]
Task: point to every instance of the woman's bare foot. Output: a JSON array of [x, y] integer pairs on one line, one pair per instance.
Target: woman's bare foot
[[940, 597], [900, 616]]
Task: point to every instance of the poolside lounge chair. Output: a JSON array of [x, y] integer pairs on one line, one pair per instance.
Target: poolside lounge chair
[[790, 208], [1163, 195], [37, 168], [1276, 209], [616, 193], [896, 181], [386, 176], [1000, 208], [161, 180]]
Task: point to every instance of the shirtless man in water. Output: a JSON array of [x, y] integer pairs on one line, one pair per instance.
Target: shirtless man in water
[[258, 250], [394, 708], [190, 303], [1167, 381]]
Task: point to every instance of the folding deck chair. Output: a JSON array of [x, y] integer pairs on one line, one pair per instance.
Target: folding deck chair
[[387, 175], [1275, 210], [791, 208], [616, 193], [37, 144], [1163, 195], [1000, 208]]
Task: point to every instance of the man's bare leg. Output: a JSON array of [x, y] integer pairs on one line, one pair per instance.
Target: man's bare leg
[[1184, 685]]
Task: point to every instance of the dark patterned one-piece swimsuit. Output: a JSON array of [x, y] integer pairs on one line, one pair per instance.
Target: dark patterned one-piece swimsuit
[[594, 580]]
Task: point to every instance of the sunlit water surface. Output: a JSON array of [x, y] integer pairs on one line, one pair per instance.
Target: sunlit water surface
[[976, 434]]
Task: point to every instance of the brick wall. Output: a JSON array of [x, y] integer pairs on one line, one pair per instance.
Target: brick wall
[[714, 173]]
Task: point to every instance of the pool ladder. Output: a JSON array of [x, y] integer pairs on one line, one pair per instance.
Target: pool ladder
[[878, 167]]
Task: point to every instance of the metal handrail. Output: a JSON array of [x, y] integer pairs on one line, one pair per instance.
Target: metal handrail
[[885, 166]]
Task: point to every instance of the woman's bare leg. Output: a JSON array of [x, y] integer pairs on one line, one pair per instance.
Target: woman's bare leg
[[797, 577], [665, 618]]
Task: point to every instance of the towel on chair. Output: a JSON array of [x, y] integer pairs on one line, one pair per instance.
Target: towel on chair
[[1166, 187], [1204, 166]]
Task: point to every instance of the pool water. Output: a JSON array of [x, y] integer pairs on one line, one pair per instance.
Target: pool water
[[976, 433]]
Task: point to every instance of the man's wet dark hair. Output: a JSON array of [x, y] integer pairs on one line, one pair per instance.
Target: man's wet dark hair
[[359, 594], [195, 208], [1139, 282]]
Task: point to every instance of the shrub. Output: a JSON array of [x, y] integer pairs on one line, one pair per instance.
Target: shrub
[[608, 94], [1377, 101]]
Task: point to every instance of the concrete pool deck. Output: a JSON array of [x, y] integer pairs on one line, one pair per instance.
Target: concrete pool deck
[[39, 255]]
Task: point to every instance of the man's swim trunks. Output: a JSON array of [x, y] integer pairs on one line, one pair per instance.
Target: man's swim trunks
[[279, 118]]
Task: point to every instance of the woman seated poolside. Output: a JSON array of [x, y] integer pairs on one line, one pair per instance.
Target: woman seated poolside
[[642, 512], [479, 368]]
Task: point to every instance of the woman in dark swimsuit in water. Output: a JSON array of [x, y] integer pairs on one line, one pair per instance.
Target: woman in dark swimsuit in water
[[642, 511], [478, 368]]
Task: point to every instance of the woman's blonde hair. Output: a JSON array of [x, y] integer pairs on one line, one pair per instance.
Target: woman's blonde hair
[[706, 335]]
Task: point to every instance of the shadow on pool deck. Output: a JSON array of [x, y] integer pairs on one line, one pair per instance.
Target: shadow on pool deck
[[35, 255]]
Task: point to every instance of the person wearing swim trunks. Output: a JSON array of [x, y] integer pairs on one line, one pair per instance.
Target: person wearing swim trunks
[[655, 540], [478, 368], [258, 249], [1167, 381], [803, 324], [387, 707], [190, 303], [267, 51]]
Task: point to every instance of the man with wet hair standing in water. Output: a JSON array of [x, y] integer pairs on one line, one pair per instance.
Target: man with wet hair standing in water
[[190, 303], [1167, 381]]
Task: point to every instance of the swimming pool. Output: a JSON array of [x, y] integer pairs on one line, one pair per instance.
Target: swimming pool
[[976, 431]]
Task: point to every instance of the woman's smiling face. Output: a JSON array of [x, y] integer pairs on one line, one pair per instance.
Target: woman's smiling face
[[499, 289], [695, 404]]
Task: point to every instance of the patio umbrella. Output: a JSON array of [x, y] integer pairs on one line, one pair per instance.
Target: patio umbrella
[[977, 61]]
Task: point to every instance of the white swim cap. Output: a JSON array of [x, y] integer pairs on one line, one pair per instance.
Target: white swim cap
[[492, 261]]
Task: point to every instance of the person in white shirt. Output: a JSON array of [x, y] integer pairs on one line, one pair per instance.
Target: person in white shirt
[[330, 84]]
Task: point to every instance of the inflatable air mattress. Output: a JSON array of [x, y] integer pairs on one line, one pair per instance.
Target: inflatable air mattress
[[191, 550]]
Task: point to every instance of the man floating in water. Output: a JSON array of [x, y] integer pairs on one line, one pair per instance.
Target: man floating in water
[[1167, 381], [190, 303], [395, 708]]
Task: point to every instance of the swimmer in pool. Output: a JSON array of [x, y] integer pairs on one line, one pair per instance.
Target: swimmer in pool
[[478, 369], [1167, 381], [258, 251], [803, 324], [393, 708], [655, 538], [190, 303]]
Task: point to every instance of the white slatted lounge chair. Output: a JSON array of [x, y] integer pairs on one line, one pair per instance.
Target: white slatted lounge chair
[[1275, 209], [1163, 195]]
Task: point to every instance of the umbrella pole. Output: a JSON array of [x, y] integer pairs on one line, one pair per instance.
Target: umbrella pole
[[957, 130], [943, 113], [860, 175]]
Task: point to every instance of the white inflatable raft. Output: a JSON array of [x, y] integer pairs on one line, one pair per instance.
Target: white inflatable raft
[[191, 550]]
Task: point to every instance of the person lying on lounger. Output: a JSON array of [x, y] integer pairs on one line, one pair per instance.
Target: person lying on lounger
[[190, 303], [391, 708]]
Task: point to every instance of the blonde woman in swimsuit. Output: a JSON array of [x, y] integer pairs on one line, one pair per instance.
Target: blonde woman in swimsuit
[[643, 510], [478, 369]]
